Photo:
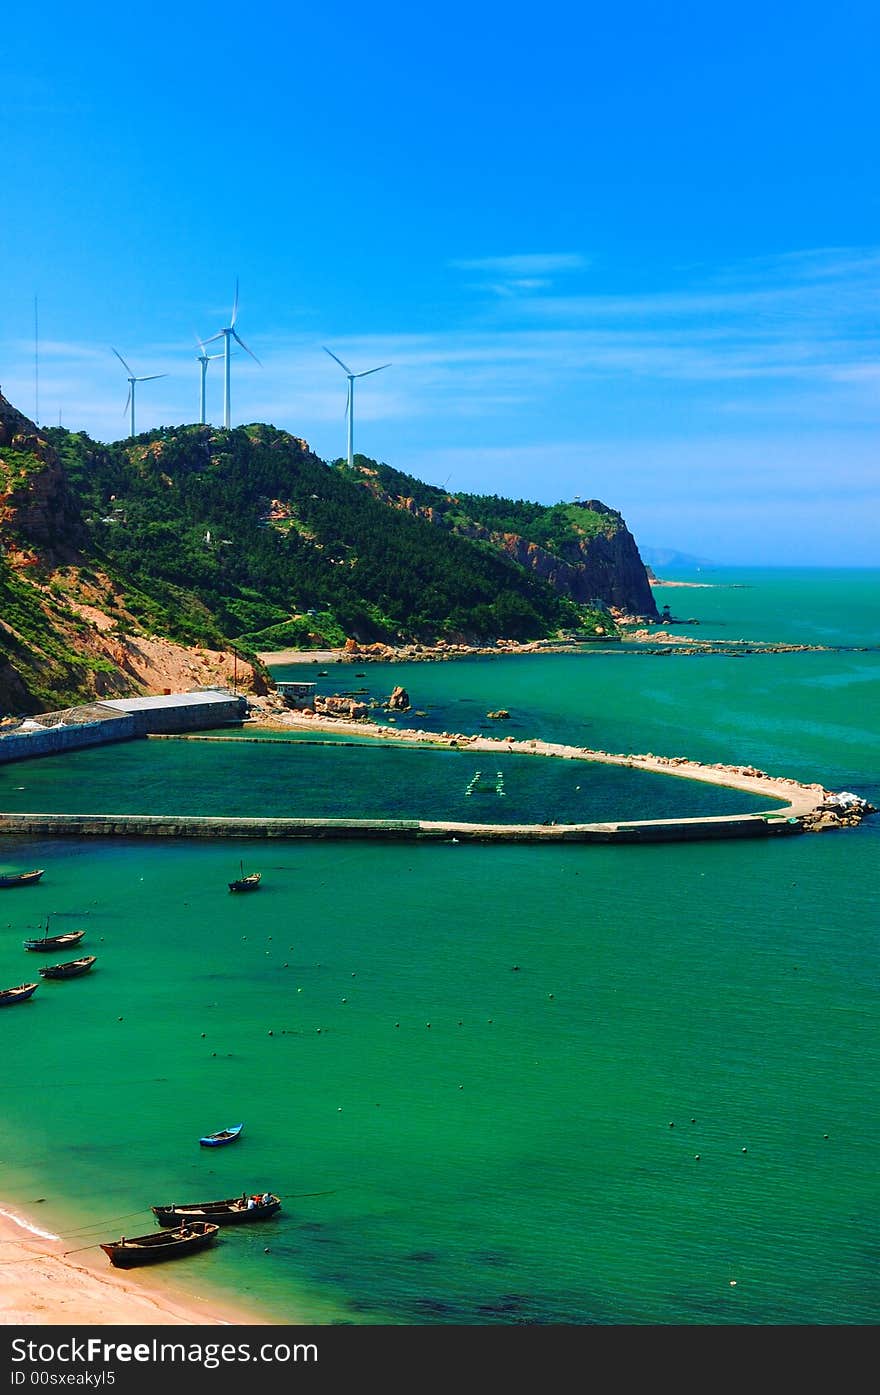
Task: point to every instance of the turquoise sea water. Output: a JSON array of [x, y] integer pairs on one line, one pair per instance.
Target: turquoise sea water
[[493, 1085]]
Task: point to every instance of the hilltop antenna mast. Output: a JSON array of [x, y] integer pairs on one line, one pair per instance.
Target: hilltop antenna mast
[[36, 364]]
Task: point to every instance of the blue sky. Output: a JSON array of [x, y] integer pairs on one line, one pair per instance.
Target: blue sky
[[630, 254]]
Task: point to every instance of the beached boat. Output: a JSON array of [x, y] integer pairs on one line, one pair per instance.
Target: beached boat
[[233, 1211], [20, 878], [216, 1140], [160, 1244], [16, 995], [246, 883], [72, 969], [62, 941]]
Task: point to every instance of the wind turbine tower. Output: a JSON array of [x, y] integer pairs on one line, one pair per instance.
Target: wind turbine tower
[[129, 401], [230, 332], [349, 406], [204, 359]]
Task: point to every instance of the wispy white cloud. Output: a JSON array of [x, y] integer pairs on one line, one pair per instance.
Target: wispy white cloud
[[768, 383], [524, 263]]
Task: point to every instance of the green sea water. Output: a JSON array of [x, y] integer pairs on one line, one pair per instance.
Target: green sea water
[[493, 1085]]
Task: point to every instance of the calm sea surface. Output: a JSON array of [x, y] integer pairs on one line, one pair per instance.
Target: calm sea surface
[[492, 1085]]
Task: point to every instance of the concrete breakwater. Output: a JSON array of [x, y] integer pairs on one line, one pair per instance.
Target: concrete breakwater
[[802, 807], [396, 830]]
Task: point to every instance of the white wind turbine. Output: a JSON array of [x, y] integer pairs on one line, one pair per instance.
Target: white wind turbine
[[349, 406], [204, 359], [230, 332], [148, 378]]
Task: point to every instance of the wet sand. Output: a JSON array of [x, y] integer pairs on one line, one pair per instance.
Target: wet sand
[[47, 1280]]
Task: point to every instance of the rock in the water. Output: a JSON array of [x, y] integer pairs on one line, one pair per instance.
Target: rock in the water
[[398, 701]]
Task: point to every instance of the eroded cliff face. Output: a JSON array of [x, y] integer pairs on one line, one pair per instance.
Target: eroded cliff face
[[37, 509], [603, 566]]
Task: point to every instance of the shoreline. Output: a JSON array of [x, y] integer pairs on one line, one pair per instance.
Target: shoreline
[[43, 1282], [661, 641], [799, 797]]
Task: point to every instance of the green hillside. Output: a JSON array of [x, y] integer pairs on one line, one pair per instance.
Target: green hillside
[[246, 535]]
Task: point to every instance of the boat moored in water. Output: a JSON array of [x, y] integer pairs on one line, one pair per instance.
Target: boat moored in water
[[73, 968], [216, 1140], [246, 883], [20, 878], [16, 995], [235, 1210], [61, 941]]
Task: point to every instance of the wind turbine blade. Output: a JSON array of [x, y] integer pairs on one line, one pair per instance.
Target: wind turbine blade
[[219, 335], [127, 400], [338, 360], [245, 347], [348, 399], [200, 344], [367, 371], [150, 376], [234, 306], [121, 360]]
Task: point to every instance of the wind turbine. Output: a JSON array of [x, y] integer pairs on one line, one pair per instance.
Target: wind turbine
[[230, 332], [349, 406], [204, 359], [131, 382]]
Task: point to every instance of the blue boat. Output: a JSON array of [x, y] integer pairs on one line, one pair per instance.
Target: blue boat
[[215, 1140]]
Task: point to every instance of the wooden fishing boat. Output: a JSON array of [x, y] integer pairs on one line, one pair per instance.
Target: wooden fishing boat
[[65, 941], [233, 1211], [16, 995], [246, 883], [160, 1244], [20, 878], [47, 941], [72, 969], [216, 1140]]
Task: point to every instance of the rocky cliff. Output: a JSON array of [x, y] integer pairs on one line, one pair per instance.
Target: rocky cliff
[[37, 508], [596, 560], [605, 566]]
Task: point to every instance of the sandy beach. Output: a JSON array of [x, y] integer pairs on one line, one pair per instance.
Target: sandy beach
[[45, 1279]]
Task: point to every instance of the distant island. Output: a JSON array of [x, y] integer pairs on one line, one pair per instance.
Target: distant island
[[658, 558]]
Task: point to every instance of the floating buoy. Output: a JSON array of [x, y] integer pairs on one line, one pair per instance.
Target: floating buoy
[[696, 1157], [745, 1150], [671, 1124]]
